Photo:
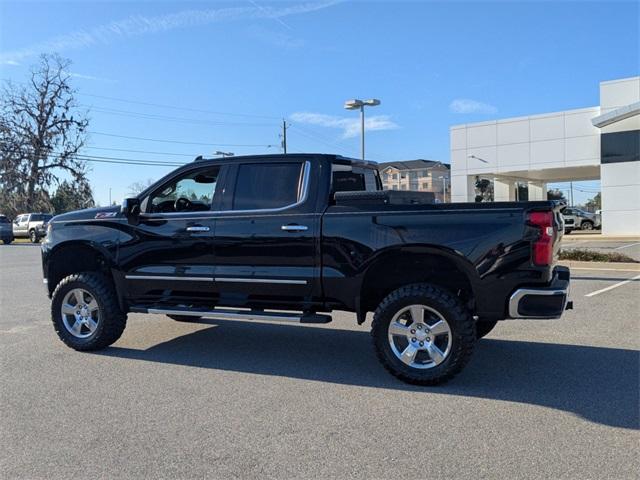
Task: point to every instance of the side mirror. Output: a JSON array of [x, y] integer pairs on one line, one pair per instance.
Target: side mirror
[[131, 209]]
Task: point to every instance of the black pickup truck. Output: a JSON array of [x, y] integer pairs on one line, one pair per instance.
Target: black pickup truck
[[294, 237]]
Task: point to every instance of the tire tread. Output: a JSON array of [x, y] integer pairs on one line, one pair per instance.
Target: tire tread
[[114, 320], [465, 330]]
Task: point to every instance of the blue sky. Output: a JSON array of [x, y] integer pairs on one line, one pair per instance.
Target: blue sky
[[236, 69]]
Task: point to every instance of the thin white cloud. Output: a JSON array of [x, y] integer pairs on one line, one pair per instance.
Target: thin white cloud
[[137, 25], [13, 63], [467, 105], [350, 126]]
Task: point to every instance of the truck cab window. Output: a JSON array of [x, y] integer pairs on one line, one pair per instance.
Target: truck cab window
[[192, 192], [266, 186]]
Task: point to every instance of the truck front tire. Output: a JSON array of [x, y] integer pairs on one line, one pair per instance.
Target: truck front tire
[[85, 312], [423, 334]]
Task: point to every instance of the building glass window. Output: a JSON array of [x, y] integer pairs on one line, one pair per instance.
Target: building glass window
[[620, 147]]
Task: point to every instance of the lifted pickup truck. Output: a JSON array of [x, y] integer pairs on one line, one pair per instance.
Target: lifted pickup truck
[[293, 237]]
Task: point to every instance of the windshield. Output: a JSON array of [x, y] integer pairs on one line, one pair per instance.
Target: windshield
[[4, 219]]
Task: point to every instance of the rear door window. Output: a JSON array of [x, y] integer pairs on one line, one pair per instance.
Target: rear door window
[[262, 186]]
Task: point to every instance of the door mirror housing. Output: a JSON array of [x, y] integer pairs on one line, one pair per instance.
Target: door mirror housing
[[131, 209]]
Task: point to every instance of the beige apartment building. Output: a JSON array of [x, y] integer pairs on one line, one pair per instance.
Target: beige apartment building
[[417, 175]]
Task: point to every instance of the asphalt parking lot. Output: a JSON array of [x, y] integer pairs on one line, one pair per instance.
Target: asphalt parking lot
[[224, 399]]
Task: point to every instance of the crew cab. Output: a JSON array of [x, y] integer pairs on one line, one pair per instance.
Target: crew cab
[[295, 237]]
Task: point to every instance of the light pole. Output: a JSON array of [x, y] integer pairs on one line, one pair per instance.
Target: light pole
[[356, 104], [444, 188]]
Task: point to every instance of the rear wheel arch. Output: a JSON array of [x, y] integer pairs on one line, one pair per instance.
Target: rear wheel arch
[[415, 264]]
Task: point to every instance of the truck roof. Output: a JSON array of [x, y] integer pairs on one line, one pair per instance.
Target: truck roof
[[275, 156]]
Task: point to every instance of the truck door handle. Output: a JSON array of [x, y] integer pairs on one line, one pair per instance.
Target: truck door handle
[[197, 228], [294, 228]]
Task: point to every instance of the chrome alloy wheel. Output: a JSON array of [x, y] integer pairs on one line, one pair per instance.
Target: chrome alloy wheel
[[80, 313], [419, 336]]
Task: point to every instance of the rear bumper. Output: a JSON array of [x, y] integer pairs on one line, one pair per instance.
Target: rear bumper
[[542, 302]]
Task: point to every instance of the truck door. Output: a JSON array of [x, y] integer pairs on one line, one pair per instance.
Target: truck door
[[169, 254], [266, 241]]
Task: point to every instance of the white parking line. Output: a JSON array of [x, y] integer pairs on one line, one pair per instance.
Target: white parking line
[[619, 284], [627, 246], [606, 269]]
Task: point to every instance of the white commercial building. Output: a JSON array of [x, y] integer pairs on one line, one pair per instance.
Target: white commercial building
[[594, 143]]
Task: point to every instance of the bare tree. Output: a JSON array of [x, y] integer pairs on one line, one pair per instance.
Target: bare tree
[[138, 187], [41, 133]]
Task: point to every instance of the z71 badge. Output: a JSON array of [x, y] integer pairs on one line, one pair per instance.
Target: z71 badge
[[105, 214]]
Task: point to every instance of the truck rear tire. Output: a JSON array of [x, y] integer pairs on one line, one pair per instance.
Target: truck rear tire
[[483, 328], [423, 334], [85, 312], [33, 236]]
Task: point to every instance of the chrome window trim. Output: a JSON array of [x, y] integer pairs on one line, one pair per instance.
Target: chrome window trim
[[306, 173]]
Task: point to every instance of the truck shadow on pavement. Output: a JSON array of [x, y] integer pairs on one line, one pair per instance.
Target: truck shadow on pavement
[[596, 383]]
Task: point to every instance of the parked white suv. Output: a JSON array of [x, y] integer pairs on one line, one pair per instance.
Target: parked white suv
[[31, 226], [576, 219]]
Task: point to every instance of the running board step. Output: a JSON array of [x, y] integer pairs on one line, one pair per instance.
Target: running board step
[[221, 314]]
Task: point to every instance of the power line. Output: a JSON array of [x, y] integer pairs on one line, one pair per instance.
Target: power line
[[179, 141], [174, 107], [153, 116], [189, 155]]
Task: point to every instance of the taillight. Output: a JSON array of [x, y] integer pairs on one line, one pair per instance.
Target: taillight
[[542, 249]]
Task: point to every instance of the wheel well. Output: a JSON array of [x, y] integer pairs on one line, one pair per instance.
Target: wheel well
[[404, 268], [75, 259]]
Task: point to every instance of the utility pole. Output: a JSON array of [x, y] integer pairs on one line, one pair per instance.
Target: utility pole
[[109, 196], [284, 135], [571, 195]]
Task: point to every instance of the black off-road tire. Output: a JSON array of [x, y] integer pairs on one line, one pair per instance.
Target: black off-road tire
[[483, 328], [112, 320], [7, 241], [184, 318], [33, 236], [460, 320]]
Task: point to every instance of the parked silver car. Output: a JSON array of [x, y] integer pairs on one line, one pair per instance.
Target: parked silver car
[[31, 226], [6, 231], [576, 219]]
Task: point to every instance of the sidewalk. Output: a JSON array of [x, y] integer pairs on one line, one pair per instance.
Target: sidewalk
[[621, 267], [595, 236]]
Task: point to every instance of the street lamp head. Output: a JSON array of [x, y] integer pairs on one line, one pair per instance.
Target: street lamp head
[[372, 102], [353, 104]]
